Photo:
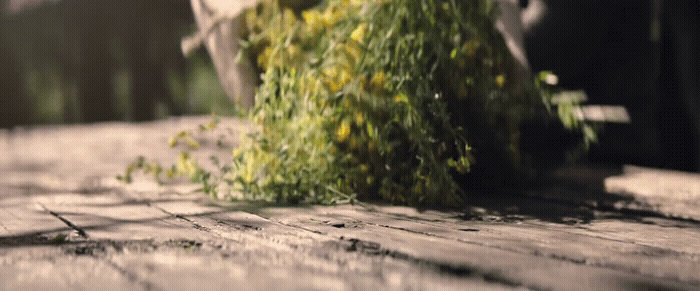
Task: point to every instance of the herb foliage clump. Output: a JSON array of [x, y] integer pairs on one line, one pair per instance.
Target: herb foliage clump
[[394, 100], [378, 99]]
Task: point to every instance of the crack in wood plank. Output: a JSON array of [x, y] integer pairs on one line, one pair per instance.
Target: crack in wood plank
[[182, 217], [80, 231], [131, 276], [88, 249], [3, 225], [586, 260], [461, 270], [367, 248], [618, 264], [374, 249]]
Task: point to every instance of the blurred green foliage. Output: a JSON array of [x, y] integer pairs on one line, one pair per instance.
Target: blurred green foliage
[[44, 44], [198, 91]]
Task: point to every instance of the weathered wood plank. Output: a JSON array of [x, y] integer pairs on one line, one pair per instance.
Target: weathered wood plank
[[152, 236], [19, 218], [505, 255], [107, 217], [609, 243], [71, 273], [297, 258], [672, 193]]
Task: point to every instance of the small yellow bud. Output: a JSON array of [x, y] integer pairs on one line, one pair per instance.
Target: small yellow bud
[[364, 168], [343, 131], [358, 34], [191, 142], [377, 82], [401, 98], [331, 16], [264, 57], [500, 80], [312, 18], [359, 117], [370, 132], [378, 79]]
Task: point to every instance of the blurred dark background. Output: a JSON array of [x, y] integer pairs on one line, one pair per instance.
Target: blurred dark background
[[643, 54], [69, 61]]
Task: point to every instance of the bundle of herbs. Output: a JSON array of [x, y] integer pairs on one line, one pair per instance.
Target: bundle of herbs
[[394, 100]]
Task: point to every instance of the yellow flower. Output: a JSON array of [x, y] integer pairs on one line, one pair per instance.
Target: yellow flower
[[310, 84], [330, 16], [401, 98], [330, 75], [336, 78], [248, 168], [343, 131], [251, 18], [264, 57], [312, 18], [377, 82], [185, 165], [330, 72], [288, 18], [371, 134], [191, 142], [500, 80], [359, 117], [237, 151], [364, 168], [358, 34], [335, 86], [345, 77]]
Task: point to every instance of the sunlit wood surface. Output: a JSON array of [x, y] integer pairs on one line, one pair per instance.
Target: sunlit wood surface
[[67, 223]]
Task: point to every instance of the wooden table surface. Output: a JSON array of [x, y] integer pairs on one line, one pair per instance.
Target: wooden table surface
[[67, 223]]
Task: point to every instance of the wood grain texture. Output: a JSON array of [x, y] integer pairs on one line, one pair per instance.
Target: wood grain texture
[[66, 223]]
